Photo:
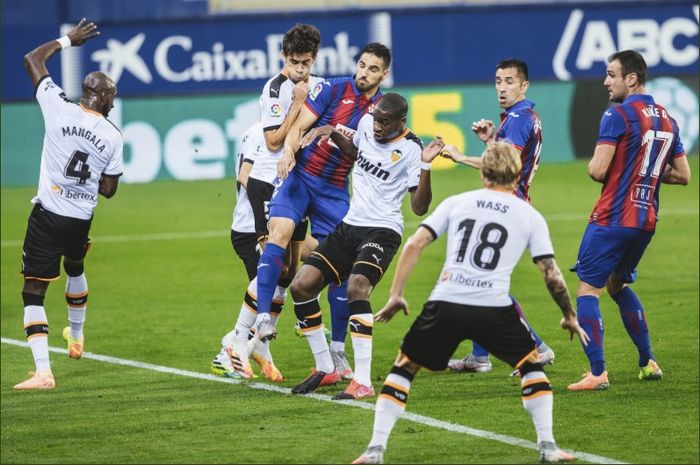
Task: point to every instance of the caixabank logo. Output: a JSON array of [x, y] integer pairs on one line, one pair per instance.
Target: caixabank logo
[[143, 62]]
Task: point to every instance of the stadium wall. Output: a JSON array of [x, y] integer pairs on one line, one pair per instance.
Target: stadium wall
[[194, 82]]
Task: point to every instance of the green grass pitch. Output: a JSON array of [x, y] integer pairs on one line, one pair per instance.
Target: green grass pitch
[[165, 285]]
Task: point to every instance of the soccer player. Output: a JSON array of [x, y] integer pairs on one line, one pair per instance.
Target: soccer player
[[520, 125], [487, 232], [638, 148], [281, 101], [390, 162], [81, 158], [317, 183]]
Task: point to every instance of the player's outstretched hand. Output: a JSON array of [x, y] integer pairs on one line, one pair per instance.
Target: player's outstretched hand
[[432, 150], [285, 165], [569, 323], [483, 129], [393, 305], [322, 132], [83, 32], [450, 151]]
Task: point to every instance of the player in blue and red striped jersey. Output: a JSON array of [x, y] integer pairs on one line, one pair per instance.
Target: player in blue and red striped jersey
[[521, 127], [638, 148], [316, 178]]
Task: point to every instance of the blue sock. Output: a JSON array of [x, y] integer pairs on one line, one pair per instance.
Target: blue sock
[[340, 313], [588, 309], [479, 351], [269, 271], [635, 323]]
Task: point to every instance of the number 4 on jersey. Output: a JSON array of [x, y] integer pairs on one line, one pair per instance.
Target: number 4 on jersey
[[77, 167]]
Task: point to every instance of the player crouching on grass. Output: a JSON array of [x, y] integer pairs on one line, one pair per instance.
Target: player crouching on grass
[[487, 232], [390, 161], [81, 158]]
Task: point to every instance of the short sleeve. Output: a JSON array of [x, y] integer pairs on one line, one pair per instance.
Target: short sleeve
[[115, 166], [319, 98], [271, 109], [51, 98], [540, 244], [612, 126], [414, 166], [678, 149], [438, 222], [518, 131]]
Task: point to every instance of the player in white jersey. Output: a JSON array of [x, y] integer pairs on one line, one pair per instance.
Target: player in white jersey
[[390, 161], [81, 158], [282, 98], [487, 232]]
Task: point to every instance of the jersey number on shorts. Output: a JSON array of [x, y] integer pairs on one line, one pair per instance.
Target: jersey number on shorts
[[78, 159], [492, 238]]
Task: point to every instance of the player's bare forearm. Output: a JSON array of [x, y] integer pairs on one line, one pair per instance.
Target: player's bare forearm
[[600, 163], [556, 285], [423, 195], [108, 186], [345, 145], [677, 172], [244, 174], [275, 139]]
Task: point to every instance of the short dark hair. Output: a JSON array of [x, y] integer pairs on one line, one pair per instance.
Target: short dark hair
[[519, 65], [379, 50], [394, 104], [302, 38], [631, 62]]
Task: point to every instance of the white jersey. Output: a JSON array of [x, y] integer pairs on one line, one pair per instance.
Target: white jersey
[[276, 98], [487, 233], [382, 175], [248, 150], [80, 145]]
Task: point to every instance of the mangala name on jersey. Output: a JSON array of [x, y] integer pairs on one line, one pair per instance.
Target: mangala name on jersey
[[86, 134]]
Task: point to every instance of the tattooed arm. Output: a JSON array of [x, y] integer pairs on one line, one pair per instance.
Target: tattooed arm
[[560, 293]]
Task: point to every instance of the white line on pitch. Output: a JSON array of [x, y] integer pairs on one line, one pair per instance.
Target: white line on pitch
[[427, 421], [552, 218]]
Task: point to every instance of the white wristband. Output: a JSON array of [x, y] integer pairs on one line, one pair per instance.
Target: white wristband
[[425, 166], [64, 41]]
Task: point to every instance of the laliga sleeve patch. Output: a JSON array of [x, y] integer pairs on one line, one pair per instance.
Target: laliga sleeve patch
[[317, 90]]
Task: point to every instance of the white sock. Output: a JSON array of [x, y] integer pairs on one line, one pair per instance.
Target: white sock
[[391, 404], [361, 335], [319, 347], [76, 298], [538, 401], [338, 346], [38, 342]]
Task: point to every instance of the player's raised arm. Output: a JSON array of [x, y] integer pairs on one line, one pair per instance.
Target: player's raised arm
[[35, 61], [292, 142], [423, 195], [451, 151], [560, 293], [274, 139]]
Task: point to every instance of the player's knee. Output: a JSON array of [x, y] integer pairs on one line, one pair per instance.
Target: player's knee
[[35, 287], [614, 285], [301, 288], [281, 230], [359, 287], [529, 367], [29, 298], [73, 267]]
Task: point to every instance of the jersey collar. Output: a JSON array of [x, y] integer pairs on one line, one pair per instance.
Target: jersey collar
[[644, 98]]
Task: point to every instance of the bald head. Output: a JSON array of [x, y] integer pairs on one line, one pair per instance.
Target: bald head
[[393, 106], [98, 92]]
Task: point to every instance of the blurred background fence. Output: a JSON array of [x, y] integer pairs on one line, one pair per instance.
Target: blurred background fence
[[189, 72]]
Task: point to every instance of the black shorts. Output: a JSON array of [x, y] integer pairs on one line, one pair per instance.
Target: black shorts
[[49, 237], [355, 250], [259, 195], [246, 247], [442, 326]]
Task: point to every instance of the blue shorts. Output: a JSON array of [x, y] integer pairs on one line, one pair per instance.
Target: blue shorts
[[608, 249], [301, 195]]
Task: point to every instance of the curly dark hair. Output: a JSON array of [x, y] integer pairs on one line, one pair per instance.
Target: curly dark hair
[[302, 38]]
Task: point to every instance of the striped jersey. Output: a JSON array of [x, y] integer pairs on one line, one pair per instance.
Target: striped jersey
[[248, 151], [276, 98], [339, 103], [487, 233], [80, 145], [644, 136], [521, 126], [382, 175]]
